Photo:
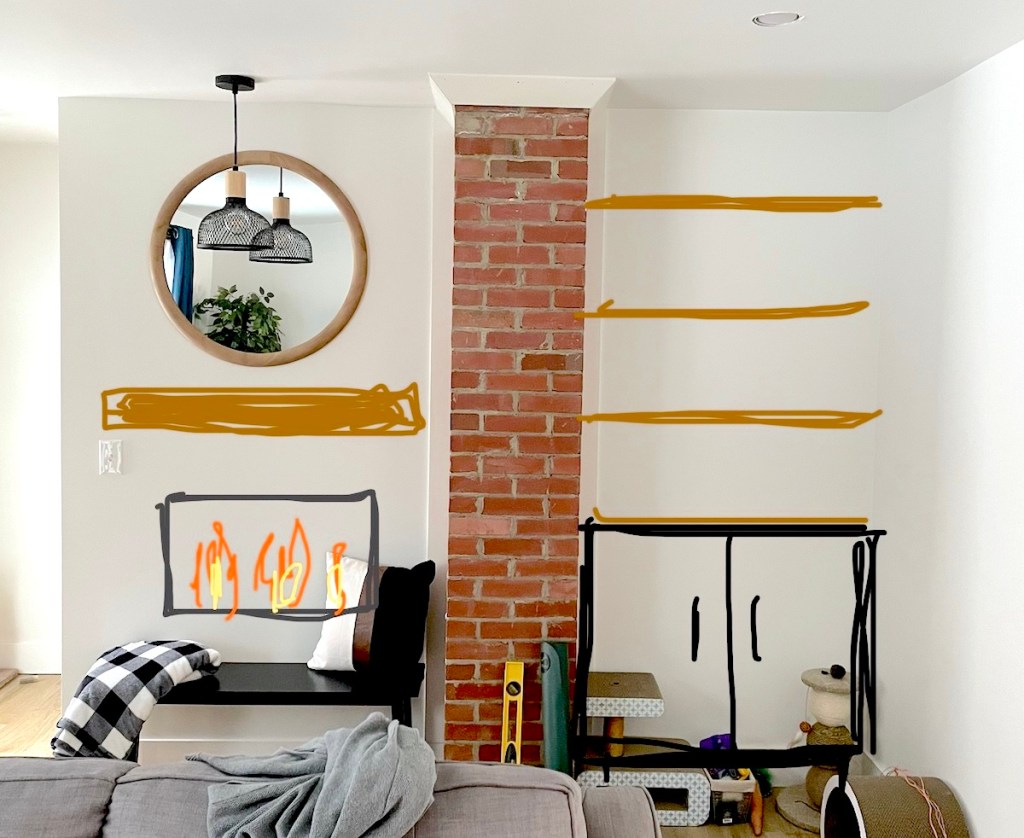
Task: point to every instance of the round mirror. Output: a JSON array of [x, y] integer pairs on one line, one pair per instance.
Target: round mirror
[[263, 289]]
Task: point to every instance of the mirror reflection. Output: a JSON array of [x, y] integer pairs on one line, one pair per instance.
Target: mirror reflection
[[271, 298]]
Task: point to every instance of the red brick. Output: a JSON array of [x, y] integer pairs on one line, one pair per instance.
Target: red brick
[[458, 753], [573, 277], [517, 382], [466, 340], [514, 465], [491, 671], [462, 505], [461, 629], [554, 403], [490, 753], [520, 169], [479, 525], [518, 125], [462, 464], [516, 340], [563, 589], [466, 211], [547, 567], [565, 465], [564, 608], [546, 526], [483, 318], [570, 212], [567, 383], [542, 361], [516, 424], [461, 587], [507, 255], [552, 148], [569, 507], [477, 568], [567, 340], [465, 711], [555, 232], [549, 444], [513, 506], [498, 402], [465, 232], [561, 630], [481, 442], [519, 297], [516, 589], [467, 296], [477, 608], [465, 422], [568, 298], [572, 169], [570, 255], [510, 630], [483, 360], [484, 276], [462, 380], [520, 211], [565, 190], [469, 167], [487, 145], [463, 650], [462, 547], [513, 546], [554, 320], [502, 190], [468, 253], [566, 547], [480, 486], [463, 732], [572, 126], [532, 486]]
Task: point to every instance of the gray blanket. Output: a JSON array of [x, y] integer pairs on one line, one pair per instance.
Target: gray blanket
[[374, 780]]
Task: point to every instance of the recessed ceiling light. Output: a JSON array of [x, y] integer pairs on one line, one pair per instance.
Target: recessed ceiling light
[[777, 18]]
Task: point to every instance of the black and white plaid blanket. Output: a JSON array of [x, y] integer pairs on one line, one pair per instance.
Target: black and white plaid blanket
[[119, 691]]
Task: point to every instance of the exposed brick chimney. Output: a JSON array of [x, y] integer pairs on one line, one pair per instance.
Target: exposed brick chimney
[[517, 381]]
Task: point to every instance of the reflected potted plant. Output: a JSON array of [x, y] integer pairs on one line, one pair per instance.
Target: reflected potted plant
[[247, 323]]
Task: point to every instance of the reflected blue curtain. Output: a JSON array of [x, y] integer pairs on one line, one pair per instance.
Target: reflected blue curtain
[[181, 284]]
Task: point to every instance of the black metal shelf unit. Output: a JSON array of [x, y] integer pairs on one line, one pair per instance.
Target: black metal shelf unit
[[591, 750]]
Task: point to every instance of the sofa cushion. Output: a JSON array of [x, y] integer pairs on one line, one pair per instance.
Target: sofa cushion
[[609, 808], [502, 801], [162, 801], [41, 797]]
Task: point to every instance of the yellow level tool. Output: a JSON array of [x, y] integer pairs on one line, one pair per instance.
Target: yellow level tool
[[512, 713]]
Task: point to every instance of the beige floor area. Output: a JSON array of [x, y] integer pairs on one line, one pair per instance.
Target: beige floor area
[[29, 710]]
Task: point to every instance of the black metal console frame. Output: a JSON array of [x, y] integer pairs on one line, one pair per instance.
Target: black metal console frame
[[592, 750]]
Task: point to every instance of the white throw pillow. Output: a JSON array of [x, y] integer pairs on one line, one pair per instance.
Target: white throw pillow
[[334, 649]]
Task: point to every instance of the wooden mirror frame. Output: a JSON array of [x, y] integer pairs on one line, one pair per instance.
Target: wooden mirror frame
[[196, 337]]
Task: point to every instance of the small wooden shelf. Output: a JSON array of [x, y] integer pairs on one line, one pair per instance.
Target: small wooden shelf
[[768, 203], [606, 311], [823, 419]]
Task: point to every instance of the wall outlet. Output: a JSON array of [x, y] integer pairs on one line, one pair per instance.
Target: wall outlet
[[110, 456]]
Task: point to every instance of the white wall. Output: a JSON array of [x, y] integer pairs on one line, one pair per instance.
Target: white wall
[[951, 455], [30, 543], [644, 587], [115, 335]]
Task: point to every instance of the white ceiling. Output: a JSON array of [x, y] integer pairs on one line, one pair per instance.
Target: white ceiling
[[845, 55]]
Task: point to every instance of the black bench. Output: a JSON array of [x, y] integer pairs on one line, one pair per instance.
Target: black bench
[[295, 684]]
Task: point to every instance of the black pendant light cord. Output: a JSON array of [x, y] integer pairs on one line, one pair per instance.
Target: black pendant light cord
[[280, 189], [234, 96]]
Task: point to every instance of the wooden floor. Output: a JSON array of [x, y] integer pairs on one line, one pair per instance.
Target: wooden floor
[[28, 715], [29, 711]]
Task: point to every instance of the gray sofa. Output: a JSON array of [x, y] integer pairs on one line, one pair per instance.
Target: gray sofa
[[83, 798]]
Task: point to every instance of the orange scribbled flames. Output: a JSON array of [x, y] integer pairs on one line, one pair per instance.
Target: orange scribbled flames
[[217, 563]]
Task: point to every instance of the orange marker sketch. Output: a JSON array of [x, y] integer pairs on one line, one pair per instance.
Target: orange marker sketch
[[288, 570], [742, 519], [606, 311], [266, 411], [825, 419], [335, 578], [213, 570], [787, 203]]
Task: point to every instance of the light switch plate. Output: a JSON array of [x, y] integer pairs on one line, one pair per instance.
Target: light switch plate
[[110, 456]]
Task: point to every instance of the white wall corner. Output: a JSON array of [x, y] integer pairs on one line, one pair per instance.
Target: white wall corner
[[451, 89]]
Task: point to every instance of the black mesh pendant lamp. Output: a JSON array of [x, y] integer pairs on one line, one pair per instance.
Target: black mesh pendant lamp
[[234, 226], [284, 243]]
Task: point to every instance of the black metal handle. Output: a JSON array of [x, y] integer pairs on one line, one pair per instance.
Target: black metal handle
[[753, 628], [694, 628]]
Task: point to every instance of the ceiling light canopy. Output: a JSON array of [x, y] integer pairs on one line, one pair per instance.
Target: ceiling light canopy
[[234, 226], [777, 18]]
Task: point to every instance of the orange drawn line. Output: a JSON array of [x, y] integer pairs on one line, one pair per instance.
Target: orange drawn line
[[828, 419], [269, 411], [605, 310], [774, 203], [744, 519]]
